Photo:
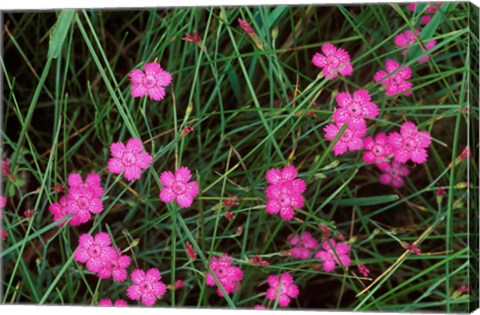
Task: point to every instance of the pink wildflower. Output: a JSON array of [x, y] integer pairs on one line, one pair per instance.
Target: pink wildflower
[[130, 159], [353, 110], [466, 153], [107, 302], [258, 261], [414, 248], [393, 173], [464, 289], [116, 267], [432, 8], [350, 140], [246, 27], [3, 203], [281, 288], [363, 270], [151, 83], [229, 276], [84, 197], [407, 38], [178, 284], [230, 201], [396, 83], [58, 209], [327, 255], [302, 245], [29, 213], [96, 252], [334, 61], [195, 38], [376, 150], [147, 286], [288, 174], [187, 130], [441, 192], [176, 186], [283, 199], [229, 216], [410, 144], [6, 168], [192, 254]]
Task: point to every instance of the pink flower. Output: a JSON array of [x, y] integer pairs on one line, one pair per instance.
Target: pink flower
[[58, 209], [407, 38], [302, 245], [3, 203], [107, 302], [151, 83], [288, 174], [195, 38], [393, 173], [363, 270], [259, 261], [116, 267], [229, 276], [376, 150], [96, 252], [353, 110], [178, 284], [246, 27], [177, 187], [283, 198], [350, 140], [334, 61], [281, 288], [396, 83], [83, 198], [328, 258], [466, 153], [130, 159], [410, 144], [192, 254], [431, 9], [441, 192], [147, 286]]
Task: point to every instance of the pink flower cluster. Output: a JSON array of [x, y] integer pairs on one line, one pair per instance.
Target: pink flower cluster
[[407, 38], [282, 289], [101, 258], [83, 200], [333, 61], [229, 276], [302, 245], [284, 192], [395, 80], [329, 254]]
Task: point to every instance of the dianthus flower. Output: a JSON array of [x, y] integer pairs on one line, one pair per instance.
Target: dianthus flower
[[192, 254], [151, 83], [58, 209], [283, 199], [327, 255], [177, 186], [107, 302], [246, 27], [376, 150], [229, 276], [407, 38], [334, 61], [353, 110], [302, 245], [147, 286], [410, 144], [350, 140], [281, 288], [396, 83], [116, 267], [83, 198], [393, 173], [96, 252], [130, 159], [363, 270], [288, 174], [431, 9]]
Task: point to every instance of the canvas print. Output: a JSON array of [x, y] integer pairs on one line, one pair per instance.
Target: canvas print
[[302, 157]]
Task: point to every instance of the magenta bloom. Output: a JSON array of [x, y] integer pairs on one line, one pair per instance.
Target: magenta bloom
[[130, 159], [396, 83], [282, 199], [58, 209], [107, 302], [147, 286], [96, 252], [407, 38], [246, 27], [282, 288], [151, 83], [410, 144], [363, 270], [431, 9], [328, 258], [393, 173], [353, 110], [302, 245], [177, 186], [334, 61], [288, 174], [376, 150], [83, 198], [350, 140], [228, 275], [116, 267]]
